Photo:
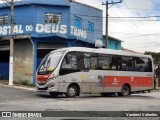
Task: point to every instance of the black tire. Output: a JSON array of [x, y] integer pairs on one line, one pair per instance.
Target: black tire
[[53, 94], [125, 91], [119, 94], [72, 91]]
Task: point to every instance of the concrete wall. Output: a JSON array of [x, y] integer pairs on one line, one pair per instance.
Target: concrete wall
[[112, 43], [28, 17], [23, 60]]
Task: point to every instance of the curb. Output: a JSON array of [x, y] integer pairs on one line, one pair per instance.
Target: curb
[[19, 87]]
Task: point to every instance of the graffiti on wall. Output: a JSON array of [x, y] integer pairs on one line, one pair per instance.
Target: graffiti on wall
[[22, 65]]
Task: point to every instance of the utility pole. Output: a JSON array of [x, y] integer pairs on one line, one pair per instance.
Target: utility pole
[[107, 3], [11, 43]]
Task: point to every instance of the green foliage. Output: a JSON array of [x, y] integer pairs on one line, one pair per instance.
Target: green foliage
[[156, 57], [24, 82]]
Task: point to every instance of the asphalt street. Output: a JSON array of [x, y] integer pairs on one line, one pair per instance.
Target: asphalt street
[[12, 99]]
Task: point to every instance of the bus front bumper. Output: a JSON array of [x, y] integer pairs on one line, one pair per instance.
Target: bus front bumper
[[46, 87]]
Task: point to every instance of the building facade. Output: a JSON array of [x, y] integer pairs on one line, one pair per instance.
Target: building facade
[[41, 26], [113, 43]]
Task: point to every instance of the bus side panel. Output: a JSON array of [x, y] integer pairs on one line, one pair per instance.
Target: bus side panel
[[64, 81], [136, 83], [94, 76], [95, 81], [78, 77], [136, 80]]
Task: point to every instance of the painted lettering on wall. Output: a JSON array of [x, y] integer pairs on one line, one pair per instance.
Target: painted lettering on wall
[[44, 28], [78, 32]]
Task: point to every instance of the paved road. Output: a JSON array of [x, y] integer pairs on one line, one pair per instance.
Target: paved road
[[12, 99]]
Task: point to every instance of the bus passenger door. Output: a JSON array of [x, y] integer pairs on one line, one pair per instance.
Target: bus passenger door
[[86, 83], [94, 74], [75, 66]]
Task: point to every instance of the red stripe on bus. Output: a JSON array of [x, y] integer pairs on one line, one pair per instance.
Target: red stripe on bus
[[43, 77], [119, 81]]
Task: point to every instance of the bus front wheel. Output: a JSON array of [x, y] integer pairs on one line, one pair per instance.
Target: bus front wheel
[[72, 91], [125, 91]]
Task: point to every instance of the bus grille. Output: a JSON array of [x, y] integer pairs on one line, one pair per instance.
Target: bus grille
[[42, 88], [42, 83]]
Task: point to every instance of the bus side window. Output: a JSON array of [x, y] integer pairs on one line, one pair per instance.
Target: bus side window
[[67, 61], [69, 64], [104, 62], [149, 65], [119, 63], [127, 63], [87, 64], [80, 60], [114, 62], [143, 65], [94, 61]]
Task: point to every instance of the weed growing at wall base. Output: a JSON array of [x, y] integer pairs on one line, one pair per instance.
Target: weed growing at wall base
[[24, 82]]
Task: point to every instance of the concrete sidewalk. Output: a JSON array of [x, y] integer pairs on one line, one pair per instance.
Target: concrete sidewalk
[[4, 83]]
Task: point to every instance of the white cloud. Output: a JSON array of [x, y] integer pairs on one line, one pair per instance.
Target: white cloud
[[95, 3], [137, 35], [139, 41]]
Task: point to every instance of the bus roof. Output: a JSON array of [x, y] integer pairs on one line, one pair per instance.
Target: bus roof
[[102, 50]]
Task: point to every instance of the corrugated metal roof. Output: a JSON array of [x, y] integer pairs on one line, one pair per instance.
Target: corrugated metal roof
[[127, 50]]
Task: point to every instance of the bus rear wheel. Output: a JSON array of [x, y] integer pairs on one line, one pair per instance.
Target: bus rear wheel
[[125, 91], [72, 91], [53, 94]]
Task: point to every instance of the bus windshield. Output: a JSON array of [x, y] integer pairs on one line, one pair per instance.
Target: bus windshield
[[50, 62]]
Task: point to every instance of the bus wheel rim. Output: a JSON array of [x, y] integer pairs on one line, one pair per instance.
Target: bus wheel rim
[[126, 90], [72, 91]]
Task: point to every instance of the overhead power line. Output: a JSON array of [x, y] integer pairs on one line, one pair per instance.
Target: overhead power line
[[5, 3], [93, 15], [22, 21], [107, 3], [138, 17], [143, 9]]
